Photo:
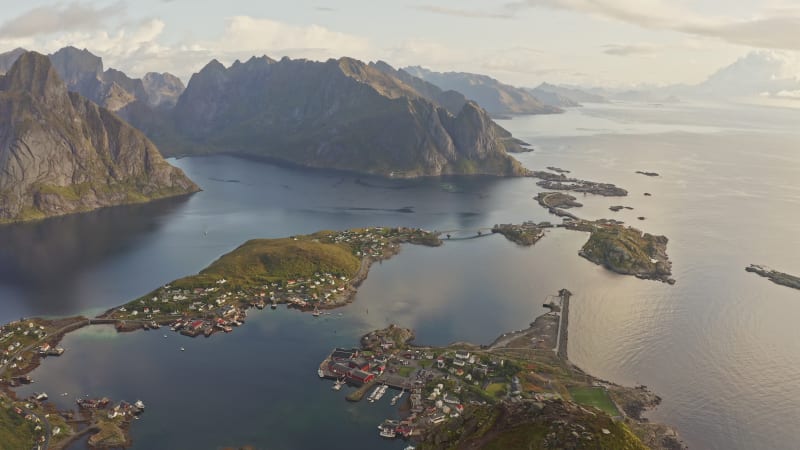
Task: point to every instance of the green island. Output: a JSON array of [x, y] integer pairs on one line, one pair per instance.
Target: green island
[[783, 279], [625, 250], [525, 235], [518, 392]]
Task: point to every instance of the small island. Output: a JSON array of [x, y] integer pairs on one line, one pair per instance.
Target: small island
[[617, 208], [647, 174], [625, 250], [521, 391], [783, 279], [525, 235], [560, 182]]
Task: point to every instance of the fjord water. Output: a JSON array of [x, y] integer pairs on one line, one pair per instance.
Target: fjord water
[[721, 346]]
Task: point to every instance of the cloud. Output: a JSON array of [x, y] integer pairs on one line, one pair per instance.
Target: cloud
[[775, 28], [629, 49], [74, 16], [246, 35], [471, 14]]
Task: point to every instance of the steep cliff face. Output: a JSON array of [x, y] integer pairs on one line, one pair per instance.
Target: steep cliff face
[[339, 114], [163, 89], [60, 153], [491, 94]]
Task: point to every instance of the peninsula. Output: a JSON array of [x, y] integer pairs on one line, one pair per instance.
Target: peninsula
[[783, 279], [521, 391]]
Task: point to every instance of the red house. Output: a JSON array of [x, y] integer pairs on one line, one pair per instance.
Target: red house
[[360, 377]]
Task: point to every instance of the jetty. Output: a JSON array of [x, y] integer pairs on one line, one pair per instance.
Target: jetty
[[563, 324]]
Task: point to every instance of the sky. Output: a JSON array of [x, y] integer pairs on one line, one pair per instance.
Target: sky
[[522, 42]]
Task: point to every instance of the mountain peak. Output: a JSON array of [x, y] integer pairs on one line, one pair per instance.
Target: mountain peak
[[35, 74]]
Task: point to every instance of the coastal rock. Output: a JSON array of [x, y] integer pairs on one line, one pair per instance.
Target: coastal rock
[[783, 279], [61, 153]]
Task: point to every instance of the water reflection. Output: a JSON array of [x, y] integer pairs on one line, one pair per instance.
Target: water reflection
[[45, 260]]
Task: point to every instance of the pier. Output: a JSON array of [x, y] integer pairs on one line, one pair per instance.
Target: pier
[[563, 325]]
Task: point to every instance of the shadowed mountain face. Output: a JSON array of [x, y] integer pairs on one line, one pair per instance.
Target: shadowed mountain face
[[339, 114], [494, 96], [60, 153]]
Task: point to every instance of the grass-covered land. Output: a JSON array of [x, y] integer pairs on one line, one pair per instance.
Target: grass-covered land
[[15, 432], [263, 261], [594, 396], [625, 250], [531, 425]]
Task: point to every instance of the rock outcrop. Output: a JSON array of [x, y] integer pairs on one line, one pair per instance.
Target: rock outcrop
[[60, 153]]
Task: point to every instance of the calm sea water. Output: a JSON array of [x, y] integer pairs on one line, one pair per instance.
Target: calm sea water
[[721, 346]]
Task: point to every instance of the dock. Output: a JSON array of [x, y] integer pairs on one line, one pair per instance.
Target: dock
[[563, 325]]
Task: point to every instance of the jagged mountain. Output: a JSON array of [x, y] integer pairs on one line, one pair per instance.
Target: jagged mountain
[[61, 153], [453, 101], [163, 89], [7, 59], [492, 95], [112, 89], [338, 114]]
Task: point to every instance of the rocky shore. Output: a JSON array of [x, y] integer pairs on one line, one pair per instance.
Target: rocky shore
[[783, 279], [560, 182]]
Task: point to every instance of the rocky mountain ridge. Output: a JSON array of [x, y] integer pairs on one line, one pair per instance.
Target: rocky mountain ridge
[[61, 153]]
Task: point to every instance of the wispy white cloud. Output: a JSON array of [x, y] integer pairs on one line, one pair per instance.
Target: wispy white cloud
[[774, 27], [630, 49], [75, 16], [465, 13]]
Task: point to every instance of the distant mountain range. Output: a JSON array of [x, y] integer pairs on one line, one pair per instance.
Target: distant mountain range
[[61, 153], [112, 89], [496, 97]]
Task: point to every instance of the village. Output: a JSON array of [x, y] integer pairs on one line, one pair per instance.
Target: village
[[197, 306], [433, 385]]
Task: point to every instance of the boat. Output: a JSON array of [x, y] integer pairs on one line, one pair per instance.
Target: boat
[[320, 373], [182, 349], [40, 397], [316, 312], [397, 397], [387, 433], [338, 385], [274, 305], [139, 405]]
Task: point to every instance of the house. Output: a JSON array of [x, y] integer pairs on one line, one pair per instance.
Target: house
[[462, 354], [437, 418], [359, 363], [360, 377]]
